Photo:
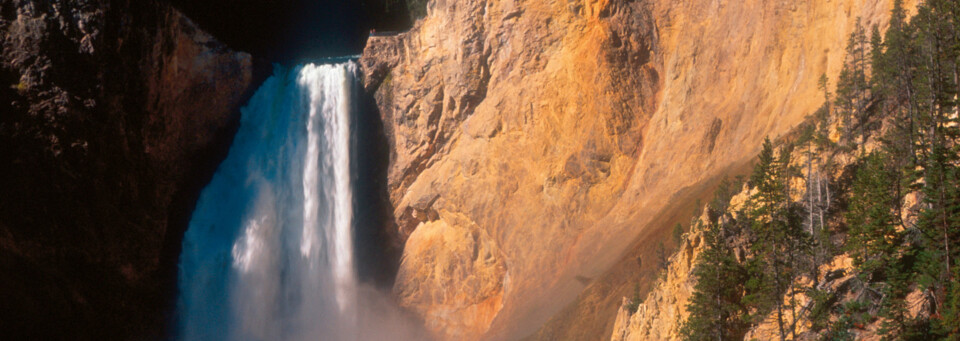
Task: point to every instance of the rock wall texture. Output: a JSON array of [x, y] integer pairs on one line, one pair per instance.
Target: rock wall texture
[[535, 140], [113, 113]]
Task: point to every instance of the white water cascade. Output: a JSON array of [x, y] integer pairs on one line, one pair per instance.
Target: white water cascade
[[268, 254]]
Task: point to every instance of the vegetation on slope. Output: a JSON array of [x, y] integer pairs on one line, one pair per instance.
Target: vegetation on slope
[[875, 174]]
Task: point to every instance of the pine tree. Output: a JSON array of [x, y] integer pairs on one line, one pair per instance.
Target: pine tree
[[853, 86], [893, 309], [940, 212], [715, 310], [912, 74], [825, 114], [939, 221], [873, 236], [662, 261], [897, 71], [878, 78], [677, 234], [779, 241]]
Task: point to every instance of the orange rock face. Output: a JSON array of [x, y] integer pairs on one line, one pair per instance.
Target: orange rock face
[[532, 141], [453, 276]]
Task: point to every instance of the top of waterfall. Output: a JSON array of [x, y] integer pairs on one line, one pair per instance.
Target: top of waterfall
[[335, 60]]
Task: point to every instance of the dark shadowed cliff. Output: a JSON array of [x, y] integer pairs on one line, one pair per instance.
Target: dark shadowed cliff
[[112, 115]]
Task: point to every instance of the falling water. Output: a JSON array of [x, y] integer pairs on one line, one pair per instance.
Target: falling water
[[268, 254]]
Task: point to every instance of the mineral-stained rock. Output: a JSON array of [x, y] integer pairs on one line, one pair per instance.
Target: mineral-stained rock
[[562, 128], [112, 115], [453, 276]]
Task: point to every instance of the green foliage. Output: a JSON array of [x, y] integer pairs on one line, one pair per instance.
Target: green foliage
[[725, 191], [893, 309], [853, 86], [852, 315], [877, 77], [635, 300], [677, 234], [938, 223], [873, 236], [820, 309], [662, 261], [904, 81], [715, 309], [778, 242], [949, 322]]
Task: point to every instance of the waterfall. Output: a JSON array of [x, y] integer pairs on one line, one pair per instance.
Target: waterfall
[[268, 254]]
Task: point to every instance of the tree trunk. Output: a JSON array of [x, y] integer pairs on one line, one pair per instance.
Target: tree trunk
[[779, 297]]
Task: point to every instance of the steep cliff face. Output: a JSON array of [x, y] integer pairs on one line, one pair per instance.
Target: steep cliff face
[[553, 132], [520, 146], [112, 115]]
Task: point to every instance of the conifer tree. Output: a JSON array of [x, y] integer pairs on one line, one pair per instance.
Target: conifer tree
[[853, 86], [912, 74], [715, 310], [662, 262], [940, 212], [677, 234], [873, 237], [878, 78], [778, 236], [897, 71]]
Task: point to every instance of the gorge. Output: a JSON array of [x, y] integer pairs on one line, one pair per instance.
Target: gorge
[[480, 170]]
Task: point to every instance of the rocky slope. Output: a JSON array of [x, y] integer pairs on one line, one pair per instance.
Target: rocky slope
[[533, 141], [660, 314], [661, 311], [113, 113]]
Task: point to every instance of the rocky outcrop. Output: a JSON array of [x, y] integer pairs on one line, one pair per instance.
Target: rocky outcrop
[[114, 114], [453, 259], [659, 316], [560, 130]]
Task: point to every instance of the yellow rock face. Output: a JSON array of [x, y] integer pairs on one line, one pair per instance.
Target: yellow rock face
[[452, 274], [549, 133]]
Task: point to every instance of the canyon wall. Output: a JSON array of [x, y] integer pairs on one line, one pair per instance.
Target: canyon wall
[[113, 115], [534, 141]]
